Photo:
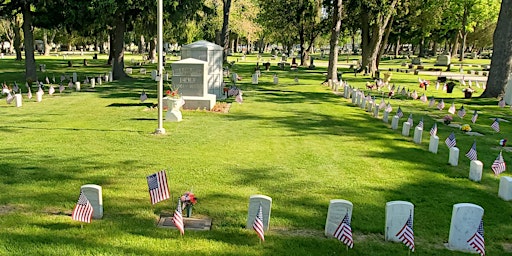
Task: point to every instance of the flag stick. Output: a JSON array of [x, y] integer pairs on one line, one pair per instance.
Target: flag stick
[[81, 225], [347, 248]]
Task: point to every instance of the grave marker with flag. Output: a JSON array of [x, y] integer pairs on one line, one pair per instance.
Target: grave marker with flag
[[499, 165], [471, 154], [344, 232], [406, 234], [474, 117], [83, 209], [496, 125], [450, 141], [257, 225], [477, 241], [433, 130]]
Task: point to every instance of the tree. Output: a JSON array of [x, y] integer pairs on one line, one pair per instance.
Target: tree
[[332, 70], [224, 35], [501, 61]]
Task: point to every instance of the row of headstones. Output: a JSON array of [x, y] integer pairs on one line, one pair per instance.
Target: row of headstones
[[465, 220], [154, 74], [476, 166]]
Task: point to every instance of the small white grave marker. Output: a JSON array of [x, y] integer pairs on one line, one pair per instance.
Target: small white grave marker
[[276, 79], [475, 170], [505, 191], [18, 100], [338, 208], [466, 218], [397, 214], [394, 122], [93, 83], [95, 197], [358, 98], [406, 127], [77, 86], [75, 78], [434, 144], [454, 156], [385, 117], [376, 111], [129, 71], [354, 96], [110, 77], [154, 74], [254, 78], [254, 204], [418, 134]]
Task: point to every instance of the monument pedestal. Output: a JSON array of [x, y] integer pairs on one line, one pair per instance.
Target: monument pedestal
[[196, 102], [173, 112]]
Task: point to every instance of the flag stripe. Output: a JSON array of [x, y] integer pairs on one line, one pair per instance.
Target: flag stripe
[[83, 209], [257, 225], [177, 218], [158, 187]]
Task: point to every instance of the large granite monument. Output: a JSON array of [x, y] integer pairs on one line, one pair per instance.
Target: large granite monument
[[190, 76]]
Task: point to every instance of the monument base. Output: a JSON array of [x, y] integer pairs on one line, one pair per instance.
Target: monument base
[[195, 102]]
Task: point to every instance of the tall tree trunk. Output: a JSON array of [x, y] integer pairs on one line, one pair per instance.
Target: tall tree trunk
[[384, 41], [501, 61], [224, 36], [28, 33], [46, 45], [118, 58], [332, 69], [17, 37], [152, 49], [422, 47], [112, 47], [455, 45], [464, 32], [142, 45], [302, 41]]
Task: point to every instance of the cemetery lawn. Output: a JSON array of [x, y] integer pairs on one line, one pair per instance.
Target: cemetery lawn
[[298, 143]]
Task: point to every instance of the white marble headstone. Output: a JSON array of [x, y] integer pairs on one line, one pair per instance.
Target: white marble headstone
[[345, 92], [18, 100], [75, 78], [93, 83], [466, 218], [418, 134], [394, 122], [95, 196], [254, 78], [254, 204], [406, 127], [385, 117], [77, 86], [354, 96], [505, 191], [154, 74], [454, 156], [358, 98], [433, 144], [397, 214], [129, 71], [338, 208], [363, 101], [376, 111], [276, 80], [475, 170], [110, 77]]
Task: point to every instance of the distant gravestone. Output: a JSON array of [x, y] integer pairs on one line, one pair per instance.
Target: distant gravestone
[[397, 214], [254, 78], [77, 86], [385, 117], [418, 134], [394, 122], [363, 102], [95, 197], [453, 160], [129, 71], [191, 76], [358, 98], [376, 111], [110, 77], [254, 204], [416, 61], [505, 191], [93, 83], [475, 170], [465, 221], [154, 74], [276, 79], [75, 78], [443, 60], [18, 100], [338, 208], [406, 127], [354, 97], [143, 71], [433, 144]]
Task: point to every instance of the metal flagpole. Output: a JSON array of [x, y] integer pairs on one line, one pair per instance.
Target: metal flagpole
[[160, 129]]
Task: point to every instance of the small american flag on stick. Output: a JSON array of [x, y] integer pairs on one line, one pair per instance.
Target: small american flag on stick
[[496, 125], [471, 154], [450, 141], [257, 225], [433, 130], [344, 232], [474, 117], [83, 209], [158, 188], [406, 234], [477, 241], [499, 165], [177, 218]]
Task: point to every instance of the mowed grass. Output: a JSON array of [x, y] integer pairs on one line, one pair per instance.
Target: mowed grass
[[298, 143]]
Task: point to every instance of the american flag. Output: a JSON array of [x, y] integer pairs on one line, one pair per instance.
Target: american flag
[[51, 91], [462, 112], [257, 225], [423, 98], [388, 108], [496, 125], [420, 124], [410, 120], [382, 104], [477, 240], [406, 234], [158, 188], [450, 141], [239, 97], [471, 154], [440, 105], [177, 218], [432, 102], [499, 165], [143, 96], [83, 209], [451, 110], [501, 103], [47, 80], [29, 93], [61, 88], [474, 117], [399, 113], [433, 130], [344, 232]]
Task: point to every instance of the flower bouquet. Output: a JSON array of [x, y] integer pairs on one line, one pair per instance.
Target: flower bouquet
[[447, 119], [465, 128], [188, 200]]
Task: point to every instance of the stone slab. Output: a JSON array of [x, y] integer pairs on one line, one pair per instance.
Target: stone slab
[[505, 190], [397, 214], [203, 224], [254, 203], [465, 220], [338, 208]]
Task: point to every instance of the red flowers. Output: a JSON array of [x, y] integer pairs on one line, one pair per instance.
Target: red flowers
[[188, 198]]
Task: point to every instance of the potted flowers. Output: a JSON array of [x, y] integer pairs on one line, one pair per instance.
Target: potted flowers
[[465, 128], [447, 119], [188, 200]]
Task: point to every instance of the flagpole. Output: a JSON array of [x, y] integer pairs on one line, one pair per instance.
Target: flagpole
[[160, 129]]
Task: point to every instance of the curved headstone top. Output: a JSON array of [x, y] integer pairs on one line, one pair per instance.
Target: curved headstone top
[[203, 44], [189, 61]]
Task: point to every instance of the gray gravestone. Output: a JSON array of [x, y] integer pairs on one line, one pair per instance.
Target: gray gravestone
[[397, 214], [418, 134], [190, 77], [505, 190], [475, 170], [254, 204], [454, 156], [406, 127], [466, 218], [433, 144], [394, 122], [508, 92], [338, 208], [95, 197], [443, 60]]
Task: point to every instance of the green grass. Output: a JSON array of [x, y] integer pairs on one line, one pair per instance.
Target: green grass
[[298, 143]]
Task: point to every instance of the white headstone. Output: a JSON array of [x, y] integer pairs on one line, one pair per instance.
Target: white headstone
[[154, 74], [354, 96], [505, 191], [475, 170], [254, 78], [376, 111], [418, 134], [254, 204], [345, 92], [39, 96], [77, 86], [93, 83], [363, 101], [75, 78], [406, 127], [129, 71], [95, 197], [276, 80], [454, 156], [434, 144], [358, 98], [394, 122], [385, 117], [338, 208], [508, 92], [397, 214], [443, 60], [110, 77], [466, 218], [143, 71], [18, 100], [105, 78], [370, 107], [173, 109]]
